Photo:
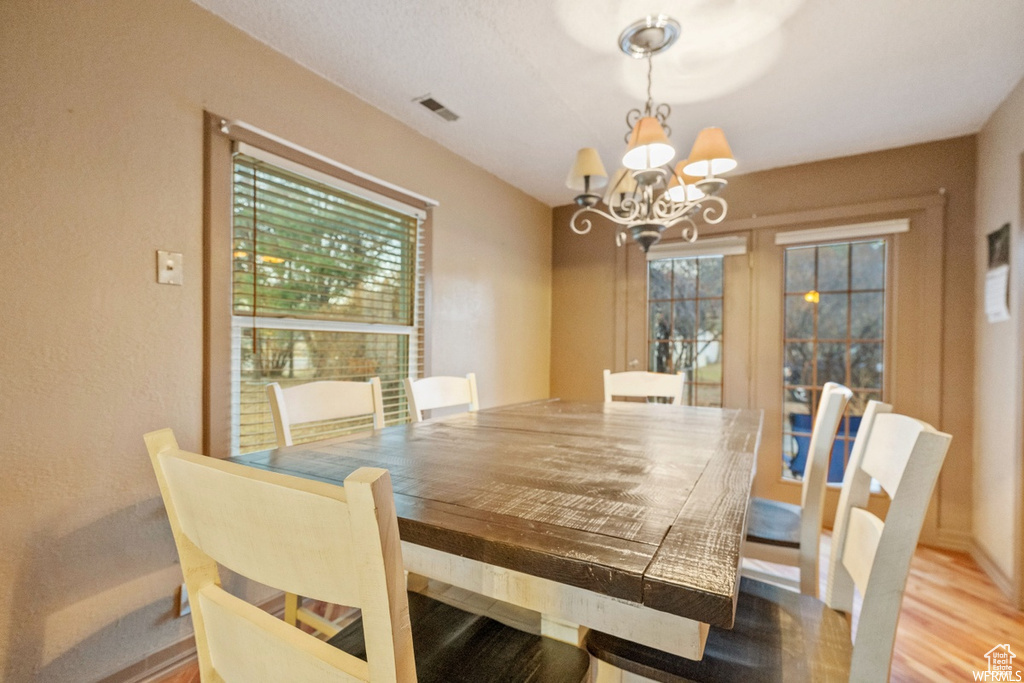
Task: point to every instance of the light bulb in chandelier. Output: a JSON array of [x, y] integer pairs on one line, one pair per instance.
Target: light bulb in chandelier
[[622, 186], [683, 187], [648, 146], [587, 175], [710, 155]]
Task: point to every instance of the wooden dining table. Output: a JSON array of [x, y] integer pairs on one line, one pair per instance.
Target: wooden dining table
[[624, 517]]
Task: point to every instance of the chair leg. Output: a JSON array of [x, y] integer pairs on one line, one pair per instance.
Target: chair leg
[[291, 608], [603, 672]]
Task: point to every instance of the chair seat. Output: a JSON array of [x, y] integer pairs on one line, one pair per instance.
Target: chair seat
[[452, 646], [778, 636], [773, 522]]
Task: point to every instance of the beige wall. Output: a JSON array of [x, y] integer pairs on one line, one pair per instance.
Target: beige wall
[[998, 472], [582, 308], [592, 267], [101, 120]]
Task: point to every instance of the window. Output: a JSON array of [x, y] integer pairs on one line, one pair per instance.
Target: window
[[684, 324], [325, 286], [834, 332]]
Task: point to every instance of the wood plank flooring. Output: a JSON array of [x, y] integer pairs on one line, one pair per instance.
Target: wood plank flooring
[[952, 615]]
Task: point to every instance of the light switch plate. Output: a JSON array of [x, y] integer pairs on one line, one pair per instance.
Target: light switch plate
[[168, 268]]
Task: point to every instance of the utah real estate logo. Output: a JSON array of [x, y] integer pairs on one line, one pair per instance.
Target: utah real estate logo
[[1000, 665]]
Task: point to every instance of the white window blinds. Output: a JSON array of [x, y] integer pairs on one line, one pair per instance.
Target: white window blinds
[[326, 285]]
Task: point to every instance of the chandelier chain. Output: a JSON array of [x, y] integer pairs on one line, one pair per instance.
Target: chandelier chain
[[650, 100]]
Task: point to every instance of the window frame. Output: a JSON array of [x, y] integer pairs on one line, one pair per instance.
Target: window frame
[[221, 326]]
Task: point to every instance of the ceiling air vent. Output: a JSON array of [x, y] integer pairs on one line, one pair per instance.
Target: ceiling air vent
[[438, 108]]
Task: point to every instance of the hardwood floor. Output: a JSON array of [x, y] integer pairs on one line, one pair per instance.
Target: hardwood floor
[[952, 615]]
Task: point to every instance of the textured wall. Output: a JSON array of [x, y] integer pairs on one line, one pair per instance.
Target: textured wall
[[998, 508], [101, 119]]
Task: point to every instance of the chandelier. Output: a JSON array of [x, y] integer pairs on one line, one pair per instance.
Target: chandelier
[[648, 195]]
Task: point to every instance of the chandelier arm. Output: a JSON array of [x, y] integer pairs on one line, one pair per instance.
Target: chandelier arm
[[689, 231], [715, 213], [586, 224], [713, 210]]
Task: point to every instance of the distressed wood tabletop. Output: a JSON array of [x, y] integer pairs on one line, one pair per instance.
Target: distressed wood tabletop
[[641, 502]]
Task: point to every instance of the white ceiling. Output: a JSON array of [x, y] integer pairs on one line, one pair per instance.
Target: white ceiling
[[789, 81]]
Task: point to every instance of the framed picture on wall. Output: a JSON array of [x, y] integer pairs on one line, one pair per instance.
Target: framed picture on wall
[[997, 279], [999, 247]]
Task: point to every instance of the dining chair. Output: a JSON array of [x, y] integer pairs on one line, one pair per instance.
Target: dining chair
[[788, 534], [315, 402], [339, 544], [639, 384], [781, 635], [440, 392], [324, 400]]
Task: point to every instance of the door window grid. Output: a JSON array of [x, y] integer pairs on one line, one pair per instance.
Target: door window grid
[[684, 324], [834, 331]]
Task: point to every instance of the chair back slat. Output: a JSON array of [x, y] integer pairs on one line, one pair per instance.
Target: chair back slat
[[256, 528], [862, 535], [893, 438], [324, 400], [339, 545], [639, 384], [441, 392], [236, 630], [855, 493]]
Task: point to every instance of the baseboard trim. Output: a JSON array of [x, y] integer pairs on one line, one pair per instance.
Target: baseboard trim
[[947, 539], [1003, 582], [168, 659]]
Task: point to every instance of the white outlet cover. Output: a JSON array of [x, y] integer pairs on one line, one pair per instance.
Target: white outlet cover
[[168, 268]]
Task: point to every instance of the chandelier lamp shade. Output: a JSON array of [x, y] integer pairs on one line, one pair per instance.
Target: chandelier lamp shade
[[648, 195]]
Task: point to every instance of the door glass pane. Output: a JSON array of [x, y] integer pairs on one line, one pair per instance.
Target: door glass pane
[[867, 315], [868, 265], [710, 276], [833, 268], [834, 332], [866, 366], [685, 321], [800, 269], [661, 319], [798, 367], [684, 282], [708, 366], [684, 324], [659, 280], [799, 317], [832, 311], [831, 363], [710, 319]]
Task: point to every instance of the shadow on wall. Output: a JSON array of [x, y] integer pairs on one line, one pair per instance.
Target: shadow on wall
[[92, 591]]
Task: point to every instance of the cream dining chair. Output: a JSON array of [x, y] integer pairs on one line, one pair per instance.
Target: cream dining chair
[[325, 400], [788, 534], [639, 384], [440, 392], [333, 543], [780, 635], [315, 402]]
